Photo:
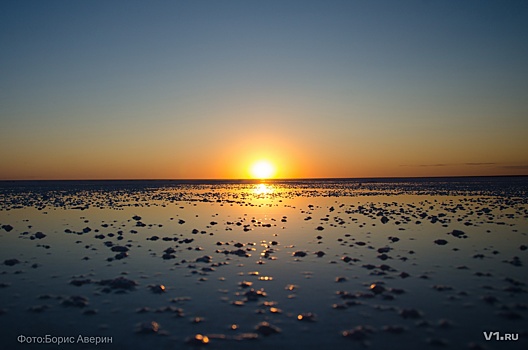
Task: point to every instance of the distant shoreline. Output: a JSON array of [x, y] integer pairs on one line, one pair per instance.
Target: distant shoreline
[[270, 181], [322, 179]]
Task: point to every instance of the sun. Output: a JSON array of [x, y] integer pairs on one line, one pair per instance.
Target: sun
[[262, 169]]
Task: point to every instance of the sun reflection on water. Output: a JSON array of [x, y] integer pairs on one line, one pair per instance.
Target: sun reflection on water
[[263, 189]]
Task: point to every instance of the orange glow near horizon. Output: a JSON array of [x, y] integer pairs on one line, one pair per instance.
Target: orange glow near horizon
[[260, 156]]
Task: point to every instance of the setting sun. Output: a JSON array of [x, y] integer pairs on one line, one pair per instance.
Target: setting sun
[[262, 170]]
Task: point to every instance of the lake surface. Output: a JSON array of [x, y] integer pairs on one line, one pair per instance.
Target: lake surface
[[377, 263]]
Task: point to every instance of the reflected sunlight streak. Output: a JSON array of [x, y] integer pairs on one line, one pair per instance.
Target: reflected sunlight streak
[[263, 189]]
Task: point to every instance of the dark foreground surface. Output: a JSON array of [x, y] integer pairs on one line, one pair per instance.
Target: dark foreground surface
[[394, 263]]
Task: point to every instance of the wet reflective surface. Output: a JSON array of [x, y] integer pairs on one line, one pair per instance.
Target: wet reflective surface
[[298, 264]]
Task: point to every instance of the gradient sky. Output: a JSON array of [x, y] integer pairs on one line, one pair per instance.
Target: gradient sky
[[201, 89]]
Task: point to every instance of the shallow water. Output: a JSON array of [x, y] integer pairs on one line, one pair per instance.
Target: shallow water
[[401, 262]]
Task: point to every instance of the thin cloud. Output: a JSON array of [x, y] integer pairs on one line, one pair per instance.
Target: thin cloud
[[447, 164], [426, 165], [434, 165], [518, 167]]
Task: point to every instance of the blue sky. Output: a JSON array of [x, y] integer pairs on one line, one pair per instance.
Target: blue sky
[[358, 88]]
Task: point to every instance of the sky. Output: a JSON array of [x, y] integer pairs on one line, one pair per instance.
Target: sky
[[203, 89]]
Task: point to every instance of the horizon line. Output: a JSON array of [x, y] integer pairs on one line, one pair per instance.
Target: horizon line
[[276, 179]]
